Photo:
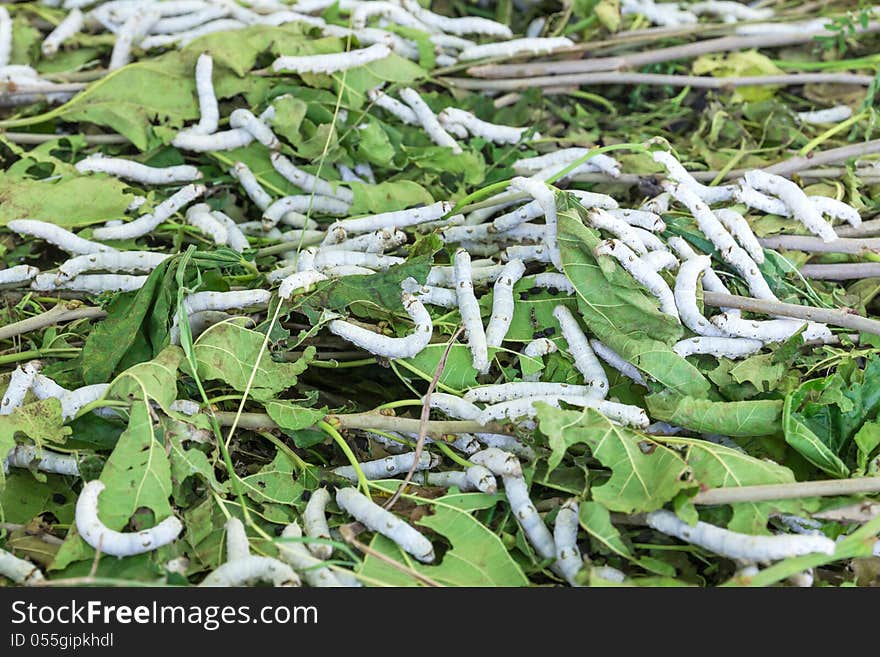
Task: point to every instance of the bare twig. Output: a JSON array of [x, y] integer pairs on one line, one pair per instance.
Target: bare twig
[[617, 77], [349, 536], [832, 155], [63, 312], [809, 313], [38, 138], [865, 229], [816, 245], [12, 90], [842, 272], [423, 420], [788, 491]]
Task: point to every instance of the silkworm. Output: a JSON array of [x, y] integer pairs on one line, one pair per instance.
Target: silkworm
[[185, 406], [657, 205], [736, 224], [430, 294], [237, 546], [560, 159], [773, 330], [91, 283], [17, 274], [67, 28], [640, 218], [464, 25], [506, 443], [660, 260], [20, 571], [122, 168], [428, 120], [5, 37], [836, 209], [383, 522], [539, 191], [711, 281], [250, 570], [680, 175], [445, 277], [149, 222], [295, 207], [536, 349], [332, 63], [72, 401], [114, 543], [395, 219], [446, 480], [371, 35], [188, 21], [469, 308], [245, 119], [595, 200], [389, 466], [602, 220], [218, 141], [515, 48], [309, 183], [113, 261], [493, 394], [392, 106], [755, 199], [201, 301], [499, 134], [666, 14], [617, 361], [510, 220], [551, 281], [641, 272], [568, 556], [498, 462], [295, 554], [685, 295], [235, 238], [199, 216], [502, 303], [455, 407], [315, 522], [298, 281], [63, 239], [735, 545], [795, 199], [361, 12], [730, 11], [718, 346], [608, 573], [381, 345], [834, 114], [19, 383], [527, 517], [375, 242], [482, 479], [523, 408], [336, 258], [134, 29], [584, 359]]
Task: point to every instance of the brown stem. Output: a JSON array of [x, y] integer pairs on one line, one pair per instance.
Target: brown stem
[[63, 312], [843, 272], [816, 245], [866, 228], [788, 491], [37, 138]]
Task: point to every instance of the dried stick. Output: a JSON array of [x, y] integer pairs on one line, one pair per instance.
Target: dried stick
[[815, 245], [63, 312], [793, 490], [843, 272]]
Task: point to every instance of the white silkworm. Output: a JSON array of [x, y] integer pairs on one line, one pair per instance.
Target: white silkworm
[[71, 400], [755, 199], [452, 406], [836, 209], [773, 330], [376, 242], [602, 220], [298, 557], [114, 543], [641, 272], [546, 165], [292, 210], [364, 170], [660, 260], [392, 106], [680, 175], [315, 523], [834, 114], [584, 359], [63, 239], [795, 199], [391, 11], [469, 308], [565, 530], [245, 119], [506, 443], [338, 258], [122, 168], [640, 218], [250, 570], [5, 36], [523, 408], [428, 120], [666, 14], [550, 281], [390, 466], [19, 383], [737, 225], [237, 546], [92, 283], [539, 191], [446, 480], [617, 361], [217, 141], [608, 573], [730, 11], [395, 219], [370, 35], [686, 297], [20, 571], [346, 174], [502, 303], [201, 301], [524, 233], [67, 28], [430, 294], [331, 63], [482, 479], [718, 346], [537, 349], [299, 281], [184, 38], [185, 406], [445, 276], [500, 392], [134, 29], [498, 462], [515, 48], [22, 456], [235, 238], [188, 21], [17, 274], [527, 516], [379, 520], [464, 25], [738, 546], [595, 200], [499, 134], [387, 347], [509, 220], [649, 239], [149, 222], [199, 323], [711, 281], [309, 183], [199, 216], [657, 205]]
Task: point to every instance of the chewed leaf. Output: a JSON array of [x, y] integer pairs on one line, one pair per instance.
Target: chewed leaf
[[762, 417]]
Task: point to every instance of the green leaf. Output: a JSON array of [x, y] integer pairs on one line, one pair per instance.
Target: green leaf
[[458, 374], [289, 114], [761, 417], [373, 144], [645, 475], [40, 421], [596, 521], [867, 439], [275, 482], [229, 353], [187, 461], [154, 380], [291, 417], [24, 497], [799, 435], [387, 196], [67, 202], [619, 313]]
